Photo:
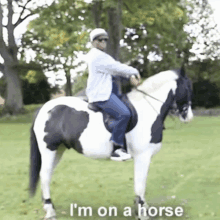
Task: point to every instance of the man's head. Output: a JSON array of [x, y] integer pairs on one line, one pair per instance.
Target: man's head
[[99, 38]]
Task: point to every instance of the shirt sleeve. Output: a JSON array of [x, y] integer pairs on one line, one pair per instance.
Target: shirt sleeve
[[105, 63]]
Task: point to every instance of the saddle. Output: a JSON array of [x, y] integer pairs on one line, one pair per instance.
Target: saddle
[[109, 120]]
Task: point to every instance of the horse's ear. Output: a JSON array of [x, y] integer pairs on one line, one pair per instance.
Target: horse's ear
[[182, 71]]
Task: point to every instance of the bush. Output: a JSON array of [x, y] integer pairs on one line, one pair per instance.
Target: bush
[[206, 94], [36, 93], [33, 93]]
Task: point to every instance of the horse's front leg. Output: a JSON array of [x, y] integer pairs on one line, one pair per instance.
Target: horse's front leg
[[141, 167]]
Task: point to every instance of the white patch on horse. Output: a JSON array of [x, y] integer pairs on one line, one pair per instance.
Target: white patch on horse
[[96, 134], [189, 115]]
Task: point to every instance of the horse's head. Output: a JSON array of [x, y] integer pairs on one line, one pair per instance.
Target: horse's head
[[183, 97]]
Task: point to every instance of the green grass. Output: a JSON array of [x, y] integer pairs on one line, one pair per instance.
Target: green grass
[[184, 173], [24, 118]]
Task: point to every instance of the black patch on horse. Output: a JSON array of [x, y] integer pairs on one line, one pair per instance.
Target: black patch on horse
[[65, 125], [157, 127], [183, 95], [138, 201]]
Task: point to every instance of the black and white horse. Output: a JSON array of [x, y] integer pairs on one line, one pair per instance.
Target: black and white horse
[[67, 122]]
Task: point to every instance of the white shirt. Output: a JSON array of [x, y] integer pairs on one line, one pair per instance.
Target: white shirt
[[101, 68]]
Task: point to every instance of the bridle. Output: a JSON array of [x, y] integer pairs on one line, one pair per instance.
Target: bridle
[[173, 108]]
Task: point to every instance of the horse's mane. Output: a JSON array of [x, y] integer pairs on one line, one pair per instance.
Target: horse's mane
[[154, 82]]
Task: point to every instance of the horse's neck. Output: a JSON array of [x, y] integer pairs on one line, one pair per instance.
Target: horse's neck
[[157, 81], [163, 97]]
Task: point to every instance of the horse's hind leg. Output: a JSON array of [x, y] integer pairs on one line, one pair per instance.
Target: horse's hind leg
[[141, 167], [59, 154], [49, 161]]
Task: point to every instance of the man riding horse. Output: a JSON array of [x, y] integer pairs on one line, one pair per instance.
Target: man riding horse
[[103, 92]]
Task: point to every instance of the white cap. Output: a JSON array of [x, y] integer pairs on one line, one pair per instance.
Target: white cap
[[97, 32]]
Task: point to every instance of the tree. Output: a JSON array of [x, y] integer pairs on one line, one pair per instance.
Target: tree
[[202, 30], [154, 34], [114, 14], [147, 28], [57, 48], [57, 36], [9, 51], [203, 66]]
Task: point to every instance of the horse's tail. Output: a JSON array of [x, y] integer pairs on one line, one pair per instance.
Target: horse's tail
[[35, 162]]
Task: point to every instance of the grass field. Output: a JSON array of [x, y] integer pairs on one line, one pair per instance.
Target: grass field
[[184, 173]]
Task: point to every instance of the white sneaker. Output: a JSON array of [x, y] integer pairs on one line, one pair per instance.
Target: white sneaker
[[120, 155]]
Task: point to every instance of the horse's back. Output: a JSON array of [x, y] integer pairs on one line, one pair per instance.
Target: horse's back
[[43, 114], [72, 102]]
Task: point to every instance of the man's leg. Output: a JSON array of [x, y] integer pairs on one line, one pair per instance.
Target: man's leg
[[116, 87], [118, 110]]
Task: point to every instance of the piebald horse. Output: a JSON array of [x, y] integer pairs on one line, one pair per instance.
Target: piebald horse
[[67, 122]]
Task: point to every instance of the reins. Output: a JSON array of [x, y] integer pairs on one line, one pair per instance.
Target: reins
[[146, 94], [150, 97]]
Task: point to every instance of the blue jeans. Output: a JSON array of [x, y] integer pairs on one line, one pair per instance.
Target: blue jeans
[[118, 110]]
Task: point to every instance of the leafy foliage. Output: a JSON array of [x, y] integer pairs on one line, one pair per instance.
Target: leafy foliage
[[154, 31], [206, 69], [57, 35], [80, 83], [202, 30], [35, 89], [206, 94], [156, 35], [36, 93]]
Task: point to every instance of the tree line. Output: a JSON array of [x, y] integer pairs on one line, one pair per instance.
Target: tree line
[[150, 35]]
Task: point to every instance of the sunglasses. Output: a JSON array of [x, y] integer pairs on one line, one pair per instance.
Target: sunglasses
[[102, 39]]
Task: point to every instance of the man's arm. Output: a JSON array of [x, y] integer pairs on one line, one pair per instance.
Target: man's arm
[[108, 65]]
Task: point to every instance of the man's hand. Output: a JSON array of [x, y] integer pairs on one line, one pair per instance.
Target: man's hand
[[135, 80]]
